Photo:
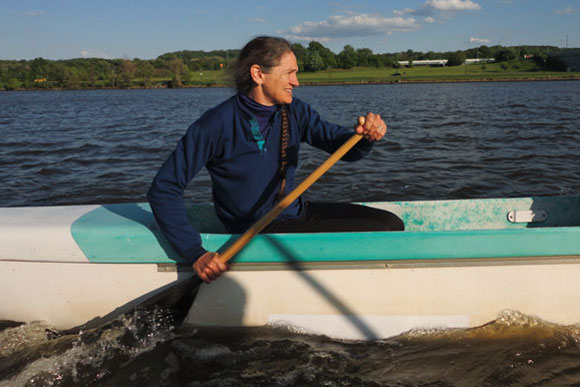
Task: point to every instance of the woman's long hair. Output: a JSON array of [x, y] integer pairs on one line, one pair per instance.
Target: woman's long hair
[[265, 51]]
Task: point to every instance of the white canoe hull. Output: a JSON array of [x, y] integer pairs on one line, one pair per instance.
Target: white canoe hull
[[382, 302], [68, 295], [458, 264], [360, 303]]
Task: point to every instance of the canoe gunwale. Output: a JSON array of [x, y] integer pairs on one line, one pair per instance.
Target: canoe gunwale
[[435, 230], [387, 264]]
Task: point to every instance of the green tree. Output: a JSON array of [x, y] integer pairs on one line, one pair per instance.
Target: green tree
[[364, 57], [301, 55], [347, 58], [484, 52], [524, 52], [431, 55], [555, 64], [505, 54], [384, 60], [315, 62], [92, 74], [13, 84], [127, 72], [327, 56], [103, 70], [70, 78], [38, 68], [540, 58], [179, 72], [146, 71], [456, 58]]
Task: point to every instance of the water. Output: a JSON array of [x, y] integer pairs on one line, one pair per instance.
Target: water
[[469, 140], [514, 350], [444, 141]]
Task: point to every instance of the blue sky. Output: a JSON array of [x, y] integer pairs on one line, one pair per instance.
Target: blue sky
[[63, 29]]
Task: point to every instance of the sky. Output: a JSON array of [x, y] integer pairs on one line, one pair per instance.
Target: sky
[[145, 29]]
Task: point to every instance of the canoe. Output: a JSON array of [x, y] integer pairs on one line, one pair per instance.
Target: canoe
[[459, 263]]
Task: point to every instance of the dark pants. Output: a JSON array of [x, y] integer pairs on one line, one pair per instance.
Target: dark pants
[[338, 217]]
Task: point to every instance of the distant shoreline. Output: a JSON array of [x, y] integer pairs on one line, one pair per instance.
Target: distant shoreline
[[407, 81], [334, 83]]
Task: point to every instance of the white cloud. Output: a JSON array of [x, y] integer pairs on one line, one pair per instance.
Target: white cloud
[[445, 7], [360, 25], [259, 20], [479, 40], [453, 5], [35, 13], [90, 54], [568, 11], [404, 12], [351, 25]]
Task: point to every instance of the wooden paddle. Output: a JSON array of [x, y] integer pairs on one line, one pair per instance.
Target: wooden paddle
[[181, 295]]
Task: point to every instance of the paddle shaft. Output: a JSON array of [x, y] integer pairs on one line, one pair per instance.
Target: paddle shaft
[[288, 199]]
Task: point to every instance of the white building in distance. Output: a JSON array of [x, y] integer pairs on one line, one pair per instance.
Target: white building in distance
[[443, 62]]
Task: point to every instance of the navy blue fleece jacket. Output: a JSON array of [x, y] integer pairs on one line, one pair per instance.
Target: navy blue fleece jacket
[[244, 177]]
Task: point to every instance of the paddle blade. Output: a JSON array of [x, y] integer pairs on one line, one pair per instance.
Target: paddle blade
[[174, 294]]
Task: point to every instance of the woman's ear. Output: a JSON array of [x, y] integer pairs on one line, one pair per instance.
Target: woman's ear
[[257, 74]]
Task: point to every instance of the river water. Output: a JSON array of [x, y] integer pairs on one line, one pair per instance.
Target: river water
[[445, 141]]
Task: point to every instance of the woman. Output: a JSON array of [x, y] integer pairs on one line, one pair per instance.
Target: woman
[[250, 145]]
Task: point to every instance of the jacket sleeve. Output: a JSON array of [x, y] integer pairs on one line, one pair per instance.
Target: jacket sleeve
[[327, 136], [166, 192]]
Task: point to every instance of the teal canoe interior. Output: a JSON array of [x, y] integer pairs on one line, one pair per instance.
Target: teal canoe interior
[[447, 229]]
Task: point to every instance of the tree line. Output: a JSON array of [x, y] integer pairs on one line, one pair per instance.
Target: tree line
[[176, 69]]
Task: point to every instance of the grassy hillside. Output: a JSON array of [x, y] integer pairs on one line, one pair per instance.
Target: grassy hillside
[[515, 69], [512, 70]]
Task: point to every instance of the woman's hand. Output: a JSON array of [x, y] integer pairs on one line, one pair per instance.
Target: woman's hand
[[209, 267], [371, 127]]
